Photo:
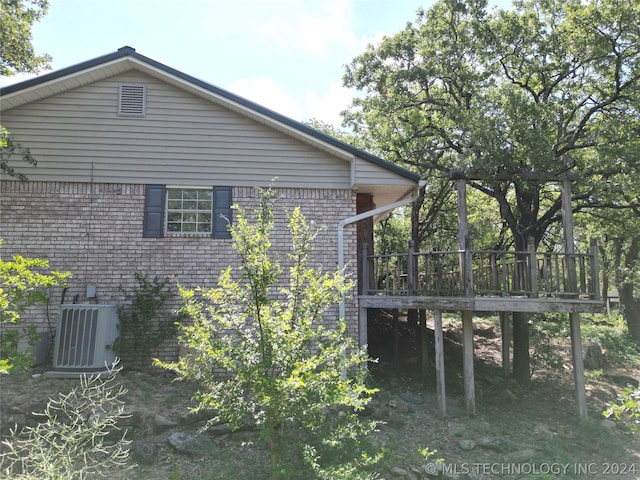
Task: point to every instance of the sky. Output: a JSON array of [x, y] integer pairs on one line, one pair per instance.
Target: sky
[[287, 55]]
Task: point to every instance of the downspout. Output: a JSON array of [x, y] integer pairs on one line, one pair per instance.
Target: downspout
[[362, 216]]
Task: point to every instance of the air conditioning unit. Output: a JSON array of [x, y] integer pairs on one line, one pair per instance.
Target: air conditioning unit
[[84, 337]]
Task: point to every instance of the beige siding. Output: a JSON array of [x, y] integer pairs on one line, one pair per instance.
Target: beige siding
[[368, 173], [78, 136]]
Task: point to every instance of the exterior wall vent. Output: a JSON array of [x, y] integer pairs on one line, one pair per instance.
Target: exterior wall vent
[[132, 100], [84, 336]]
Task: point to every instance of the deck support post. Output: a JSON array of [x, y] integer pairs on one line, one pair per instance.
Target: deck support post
[[363, 317], [578, 366], [439, 354], [466, 281], [467, 362], [505, 331], [574, 318]]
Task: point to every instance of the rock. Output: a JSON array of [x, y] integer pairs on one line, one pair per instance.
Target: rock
[[217, 430], [484, 330], [543, 431], [608, 425], [521, 456], [623, 380], [162, 423], [190, 443], [398, 471], [143, 452], [592, 356], [466, 444], [198, 416], [493, 443]]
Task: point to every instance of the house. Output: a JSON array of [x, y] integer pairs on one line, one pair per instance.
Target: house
[[139, 164]]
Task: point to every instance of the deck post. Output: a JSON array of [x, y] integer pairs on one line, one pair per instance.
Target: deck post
[[365, 269], [533, 267], [578, 366], [362, 311], [595, 270], [464, 242], [439, 354], [467, 361], [412, 275], [363, 330], [574, 318], [505, 330]]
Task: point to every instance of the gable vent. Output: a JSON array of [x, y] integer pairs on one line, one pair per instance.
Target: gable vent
[[132, 101]]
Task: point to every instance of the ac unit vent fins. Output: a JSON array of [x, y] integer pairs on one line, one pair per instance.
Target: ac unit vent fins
[[132, 101], [84, 337]]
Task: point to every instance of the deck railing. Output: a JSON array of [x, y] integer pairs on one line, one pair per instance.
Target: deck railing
[[492, 273]]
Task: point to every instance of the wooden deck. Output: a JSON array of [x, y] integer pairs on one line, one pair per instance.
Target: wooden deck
[[482, 281]]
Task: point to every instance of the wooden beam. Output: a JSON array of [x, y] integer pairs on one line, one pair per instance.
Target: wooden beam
[[505, 330], [467, 362], [484, 304], [574, 317], [363, 329], [439, 354], [578, 366]]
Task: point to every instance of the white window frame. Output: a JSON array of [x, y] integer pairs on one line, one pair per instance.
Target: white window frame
[[182, 210]]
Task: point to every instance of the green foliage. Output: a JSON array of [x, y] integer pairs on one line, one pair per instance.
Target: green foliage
[[627, 408], [17, 55], [16, 51], [144, 323], [8, 148], [621, 349], [71, 440], [22, 284], [545, 334], [263, 354]]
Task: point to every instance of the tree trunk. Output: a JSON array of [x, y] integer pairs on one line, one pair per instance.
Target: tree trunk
[[521, 371], [631, 308], [630, 304]]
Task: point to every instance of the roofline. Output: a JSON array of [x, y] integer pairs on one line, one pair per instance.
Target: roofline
[[127, 51]]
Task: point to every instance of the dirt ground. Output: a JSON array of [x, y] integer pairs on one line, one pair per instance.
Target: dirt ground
[[518, 432]]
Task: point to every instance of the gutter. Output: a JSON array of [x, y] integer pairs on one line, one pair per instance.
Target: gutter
[[362, 216]]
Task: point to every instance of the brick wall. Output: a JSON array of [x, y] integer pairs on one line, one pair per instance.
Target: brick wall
[[95, 232]]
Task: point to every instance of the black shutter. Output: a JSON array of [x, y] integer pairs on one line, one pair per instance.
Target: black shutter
[[153, 211], [221, 212]]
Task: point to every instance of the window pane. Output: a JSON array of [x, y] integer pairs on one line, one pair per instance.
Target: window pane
[[174, 204], [189, 210]]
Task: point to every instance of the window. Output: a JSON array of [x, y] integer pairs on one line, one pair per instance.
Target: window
[[175, 211], [189, 211]]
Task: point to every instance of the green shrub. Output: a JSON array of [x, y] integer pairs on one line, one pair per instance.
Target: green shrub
[[611, 333], [23, 282], [144, 323], [263, 355], [627, 408]]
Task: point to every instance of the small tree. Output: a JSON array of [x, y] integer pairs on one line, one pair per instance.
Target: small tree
[[263, 354], [22, 283]]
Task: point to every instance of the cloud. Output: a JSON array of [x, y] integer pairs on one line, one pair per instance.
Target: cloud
[[266, 92], [16, 78], [328, 105], [326, 26]]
